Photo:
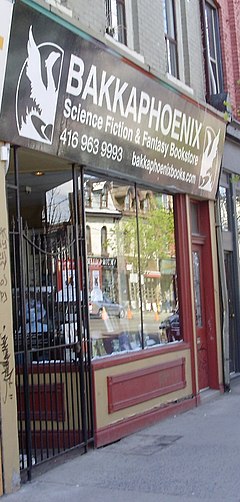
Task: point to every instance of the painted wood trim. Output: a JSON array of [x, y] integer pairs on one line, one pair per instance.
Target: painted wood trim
[[46, 402], [130, 357], [130, 425], [142, 385]]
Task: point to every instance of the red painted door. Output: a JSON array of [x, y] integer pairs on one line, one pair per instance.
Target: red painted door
[[202, 349]]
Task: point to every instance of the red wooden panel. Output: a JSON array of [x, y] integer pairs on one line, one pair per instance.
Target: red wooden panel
[[142, 385], [46, 402]]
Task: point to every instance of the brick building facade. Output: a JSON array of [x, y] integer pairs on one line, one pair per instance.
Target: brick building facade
[[113, 255]]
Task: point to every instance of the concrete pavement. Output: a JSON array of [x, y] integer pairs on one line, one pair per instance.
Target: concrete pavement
[[192, 456]]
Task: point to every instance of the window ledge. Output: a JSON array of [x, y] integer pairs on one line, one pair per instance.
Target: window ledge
[[180, 84], [108, 361], [129, 52], [57, 5]]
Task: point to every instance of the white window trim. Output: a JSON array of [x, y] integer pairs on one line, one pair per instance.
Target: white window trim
[[180, 84], [179, 43], [135, 55], [129, 48], [57, 4]]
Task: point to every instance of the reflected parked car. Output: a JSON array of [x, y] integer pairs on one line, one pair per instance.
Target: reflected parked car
[[96, 308], [171, 327]]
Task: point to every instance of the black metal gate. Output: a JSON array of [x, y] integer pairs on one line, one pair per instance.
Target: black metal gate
[[51, 337]]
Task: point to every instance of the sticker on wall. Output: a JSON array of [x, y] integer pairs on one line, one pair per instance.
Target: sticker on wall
[[40, 76]]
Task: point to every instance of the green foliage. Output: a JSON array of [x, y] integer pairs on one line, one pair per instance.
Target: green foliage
[[235, 178], [156, 235]]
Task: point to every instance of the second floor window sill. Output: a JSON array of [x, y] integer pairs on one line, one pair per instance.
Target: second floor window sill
[[129, 52], [180, 84]]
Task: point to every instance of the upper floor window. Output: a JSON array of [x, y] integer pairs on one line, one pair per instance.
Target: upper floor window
[[170, 37], [213, 49], [116, 20], [88, 240], [104, 197], [87, 195], [104, 240]]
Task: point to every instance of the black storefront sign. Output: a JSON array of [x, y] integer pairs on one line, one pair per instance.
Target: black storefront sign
[[71, 96]]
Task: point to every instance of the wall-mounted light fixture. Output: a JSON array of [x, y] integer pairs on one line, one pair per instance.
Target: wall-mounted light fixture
[[38, 173]]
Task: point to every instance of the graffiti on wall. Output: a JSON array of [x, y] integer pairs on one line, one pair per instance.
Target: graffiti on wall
[[5, 361]]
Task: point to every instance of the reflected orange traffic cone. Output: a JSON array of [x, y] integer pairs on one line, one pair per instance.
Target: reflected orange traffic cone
[[104, 314], [156, 316], [129, 313]]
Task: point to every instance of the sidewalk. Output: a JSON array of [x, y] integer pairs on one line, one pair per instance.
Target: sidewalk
[[193, 456]]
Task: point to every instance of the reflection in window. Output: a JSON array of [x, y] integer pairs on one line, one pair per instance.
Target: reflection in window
[[213, 47], [238, 217], [133, 300], [88, 239], [224, 208], [116, 20], [170, 37], [197, 290], [104, 240], [158, 272], [87, 194], [128, 201], [104, 197], [57, 205], [194, 218]]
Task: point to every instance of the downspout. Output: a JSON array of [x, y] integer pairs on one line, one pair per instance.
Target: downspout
[[224, 296]]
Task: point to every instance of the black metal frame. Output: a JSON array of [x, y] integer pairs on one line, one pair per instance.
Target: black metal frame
[[51, 335]]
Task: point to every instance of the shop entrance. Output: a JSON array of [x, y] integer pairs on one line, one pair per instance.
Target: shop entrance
[[202, 350], [50, 311]]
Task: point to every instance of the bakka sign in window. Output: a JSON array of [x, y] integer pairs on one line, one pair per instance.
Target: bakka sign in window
[[70, 96]]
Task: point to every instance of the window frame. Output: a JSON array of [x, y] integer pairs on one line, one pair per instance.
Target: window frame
[[213, 59], [88, 240], [120, 13], [171, 42], [104, 250]]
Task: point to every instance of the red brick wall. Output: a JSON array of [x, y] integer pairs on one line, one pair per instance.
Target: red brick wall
[[229, 17]]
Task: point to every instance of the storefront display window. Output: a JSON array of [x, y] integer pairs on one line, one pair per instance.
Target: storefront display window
[[158, 271], [108, 267], [133, 294]]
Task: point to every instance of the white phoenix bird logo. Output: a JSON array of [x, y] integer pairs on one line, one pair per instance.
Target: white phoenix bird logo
[[37, 90], [209, 158]]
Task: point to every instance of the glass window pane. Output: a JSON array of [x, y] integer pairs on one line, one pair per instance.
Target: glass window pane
[[210, 29], [170, 36], [212, 33], [173, 59], [194, 219], [170, 19], [238, 217], [224, 208], [197, 290], [164, 15], [158, 273], [113, 273], [57, 205], [116, 19]]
